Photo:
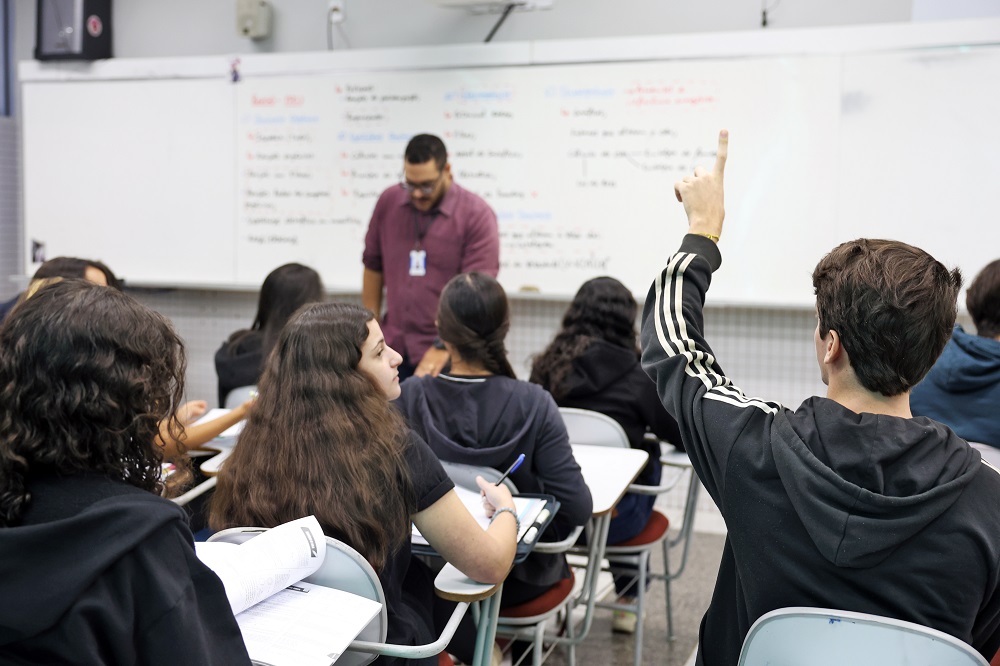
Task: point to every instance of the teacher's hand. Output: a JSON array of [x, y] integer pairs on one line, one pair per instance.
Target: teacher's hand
[[432, 363], [702, 194]]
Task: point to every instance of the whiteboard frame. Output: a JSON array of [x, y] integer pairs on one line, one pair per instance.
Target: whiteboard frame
[[815, 41]]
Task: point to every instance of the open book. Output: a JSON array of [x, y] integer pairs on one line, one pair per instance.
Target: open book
[[528, 509], [285, 621]]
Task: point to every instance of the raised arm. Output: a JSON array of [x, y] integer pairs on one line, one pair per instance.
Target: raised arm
[[710, 411], [485, 556]]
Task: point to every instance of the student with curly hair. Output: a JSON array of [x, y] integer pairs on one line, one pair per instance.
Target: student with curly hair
[[593, 363], [103, 569], [322, 439]]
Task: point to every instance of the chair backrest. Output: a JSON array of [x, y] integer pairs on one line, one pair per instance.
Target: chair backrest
[[825, 637], [465, 475], [343, 569], [592, 428], [239, 395], [990, 454]]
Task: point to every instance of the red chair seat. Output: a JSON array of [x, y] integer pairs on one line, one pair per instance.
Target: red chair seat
[[444, 659], [543, 603], [654, 530]]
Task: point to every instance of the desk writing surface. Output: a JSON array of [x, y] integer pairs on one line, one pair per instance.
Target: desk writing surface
[[212, 466], [454, 585], [577, 159], [608, 472]]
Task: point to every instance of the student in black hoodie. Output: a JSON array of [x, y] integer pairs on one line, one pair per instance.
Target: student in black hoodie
[[593, 363], [240, 359], [478, 413], [95, 566], [848, 502]]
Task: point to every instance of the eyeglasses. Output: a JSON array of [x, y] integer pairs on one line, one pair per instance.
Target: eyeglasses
[[424, 188]]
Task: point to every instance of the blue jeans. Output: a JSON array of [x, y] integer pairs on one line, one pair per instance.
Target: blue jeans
[[633, 514]]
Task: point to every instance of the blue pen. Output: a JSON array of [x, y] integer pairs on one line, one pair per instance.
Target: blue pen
[[511, 469]]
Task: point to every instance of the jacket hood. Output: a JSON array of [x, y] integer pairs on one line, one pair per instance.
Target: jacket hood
[[461, 432], [601, 365], [972, 363], [46, 567], [862, 484]]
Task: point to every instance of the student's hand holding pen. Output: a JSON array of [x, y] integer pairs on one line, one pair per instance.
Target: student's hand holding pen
[[494, 497]]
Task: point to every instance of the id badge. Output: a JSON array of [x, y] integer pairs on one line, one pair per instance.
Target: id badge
[[418, 263]]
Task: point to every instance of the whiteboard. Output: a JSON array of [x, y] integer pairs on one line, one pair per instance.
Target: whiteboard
[[138, 174], [920, 160], [577, 161], [203, 181]]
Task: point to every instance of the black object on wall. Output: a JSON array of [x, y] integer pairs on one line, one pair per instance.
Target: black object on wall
[[73, 30]]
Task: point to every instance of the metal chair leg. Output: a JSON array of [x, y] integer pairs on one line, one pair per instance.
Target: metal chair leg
[[640, 605], [666, 589], [539, 645]]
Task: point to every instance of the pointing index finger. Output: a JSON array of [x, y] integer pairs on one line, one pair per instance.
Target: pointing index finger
[[720, 157]]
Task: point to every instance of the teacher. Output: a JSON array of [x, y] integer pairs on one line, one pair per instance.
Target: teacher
[[424, 231]]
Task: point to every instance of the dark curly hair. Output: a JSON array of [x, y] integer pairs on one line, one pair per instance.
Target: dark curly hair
[[87, 374], [321, 439], [603, 309], [474, 316], [893, 305]]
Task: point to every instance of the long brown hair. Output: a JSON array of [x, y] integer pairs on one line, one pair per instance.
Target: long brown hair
[[321, 439]]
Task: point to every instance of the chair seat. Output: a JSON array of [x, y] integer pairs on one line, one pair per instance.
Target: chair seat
[[543, 603], [655, 529]]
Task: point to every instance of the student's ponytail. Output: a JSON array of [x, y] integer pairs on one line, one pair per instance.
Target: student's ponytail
[[474, 318]]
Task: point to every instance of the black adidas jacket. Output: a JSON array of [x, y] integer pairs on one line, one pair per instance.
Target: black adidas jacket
[[825, 507]]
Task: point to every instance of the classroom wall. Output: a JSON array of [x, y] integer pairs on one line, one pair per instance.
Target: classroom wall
[[147, 28], [768, 352]]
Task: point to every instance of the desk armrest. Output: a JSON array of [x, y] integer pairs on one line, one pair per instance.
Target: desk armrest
[[415, 651], [453, 585], [559, 546]]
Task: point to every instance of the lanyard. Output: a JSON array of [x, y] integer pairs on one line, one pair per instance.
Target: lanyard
[[419, 231]]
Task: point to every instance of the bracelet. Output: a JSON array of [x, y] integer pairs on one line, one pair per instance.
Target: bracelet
[[507, 509], [711, 237]]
